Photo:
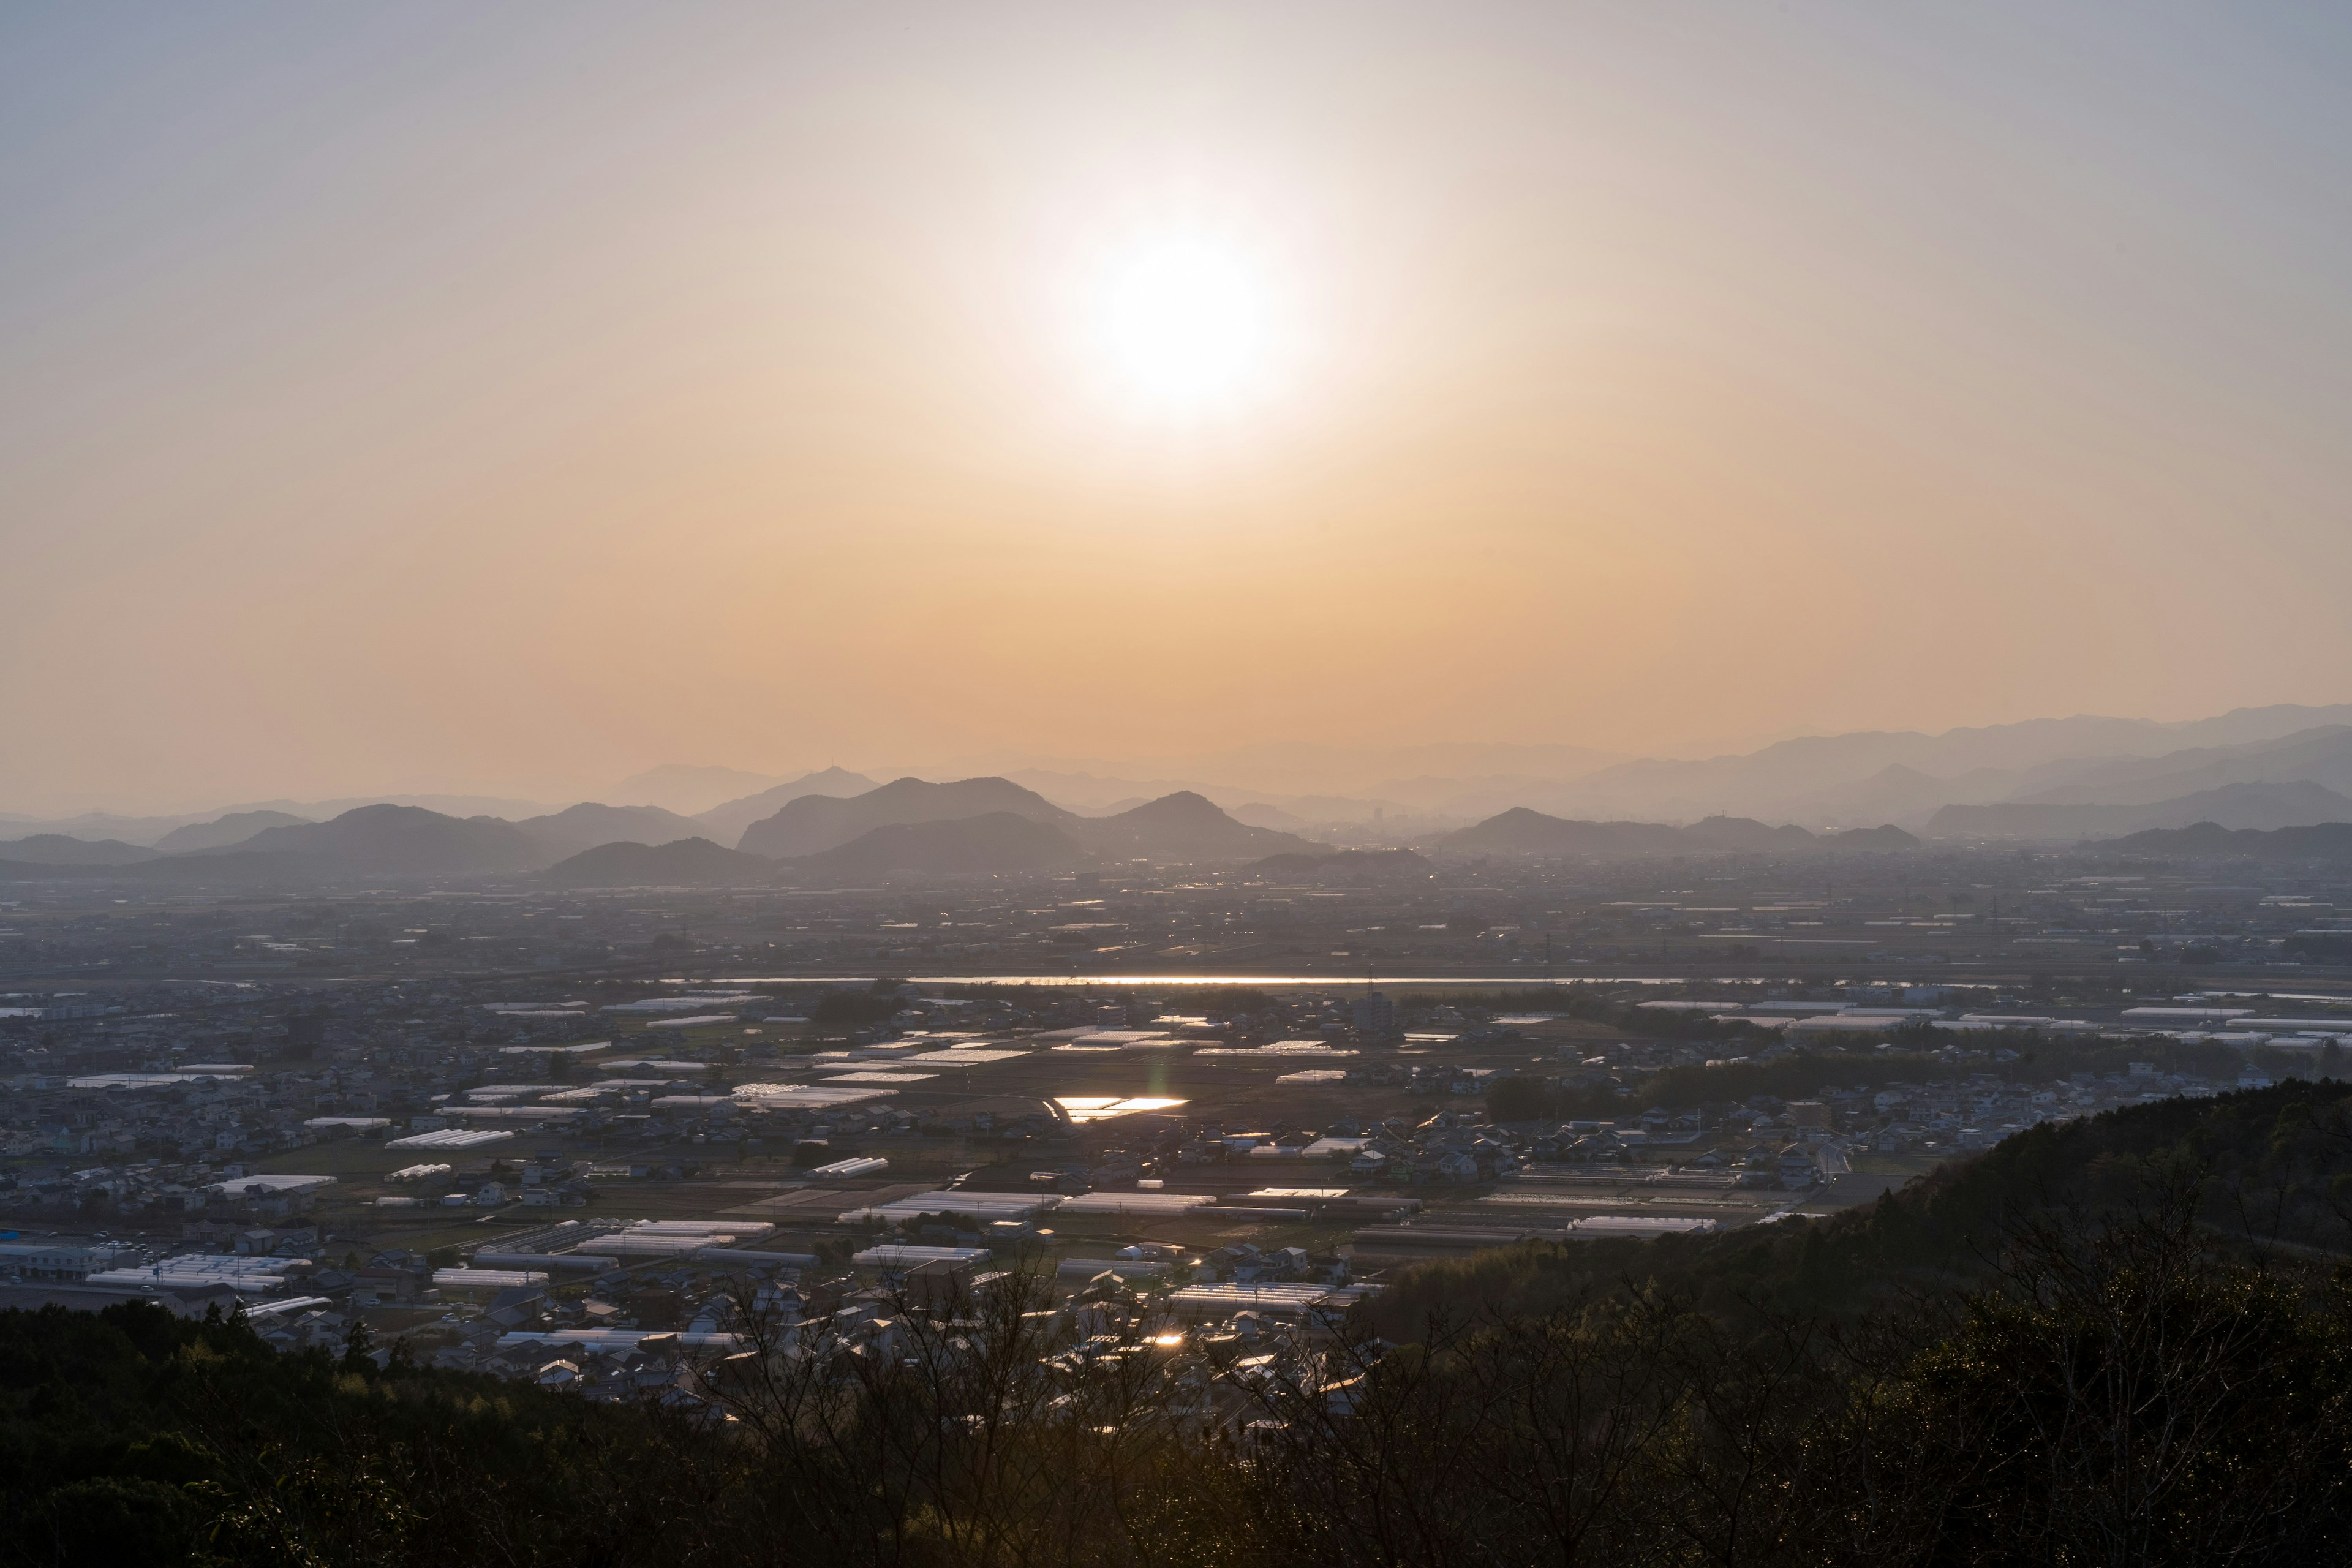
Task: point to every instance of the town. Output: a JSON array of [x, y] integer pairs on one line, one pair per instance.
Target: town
[[608, 1141]]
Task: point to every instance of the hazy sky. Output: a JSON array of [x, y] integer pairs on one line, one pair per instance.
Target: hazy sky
[[509, 398]]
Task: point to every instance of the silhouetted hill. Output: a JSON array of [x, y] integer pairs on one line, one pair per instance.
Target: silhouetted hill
[[1845, 777], [1884, 837], [1182, 827], [815, 823], [2295, 803], [689, 788], [1259, 814], [586, 826], [2321, 754], [56, 849], [680, 863], [222, 831], [2066, 1327], [1745, 833], [1346, 865], [1520, 831], [725, 823], [1943, 1228], [404, 840], [2324, 841], [998, 842]]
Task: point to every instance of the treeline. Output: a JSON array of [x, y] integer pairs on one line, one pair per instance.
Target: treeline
[[2079, 1349], [2321, 946], [131, 1438], [2111, 1395], [2269, 1168]]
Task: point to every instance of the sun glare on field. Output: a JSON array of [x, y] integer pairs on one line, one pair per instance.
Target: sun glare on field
[[1187, 323]]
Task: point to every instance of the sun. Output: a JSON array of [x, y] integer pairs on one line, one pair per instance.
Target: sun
[[1186, 323]]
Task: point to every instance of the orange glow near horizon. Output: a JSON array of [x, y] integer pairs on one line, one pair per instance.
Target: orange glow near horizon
[[391, 411]]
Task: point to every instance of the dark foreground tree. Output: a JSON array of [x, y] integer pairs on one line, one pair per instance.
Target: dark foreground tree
[[2128, 1387]]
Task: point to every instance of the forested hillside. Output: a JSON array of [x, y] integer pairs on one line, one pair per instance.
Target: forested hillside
[[2271, 1166], [2126, 1340]]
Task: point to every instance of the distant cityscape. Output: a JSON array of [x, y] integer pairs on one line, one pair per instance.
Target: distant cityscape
[[518, 1097]]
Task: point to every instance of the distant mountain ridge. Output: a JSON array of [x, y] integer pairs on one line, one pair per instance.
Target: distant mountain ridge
[[234, 827], [726, 822], [1306, 767], [2322, 755], [1184, 826], [1402, 792], [403, 840], [1520, 831], [1908, 774], [59, 849], [569, 848], [2322, 841], [814, 823], [585, 826], [1897, 776], [689, 789], [680, 863], [2237, 806], [148, 830], [996, 842]]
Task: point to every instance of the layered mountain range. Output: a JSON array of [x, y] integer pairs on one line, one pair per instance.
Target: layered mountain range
[[2050, 781], [2261, 768], [984, 826], [1523, 832], [1821, 782], [2329, 841]]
